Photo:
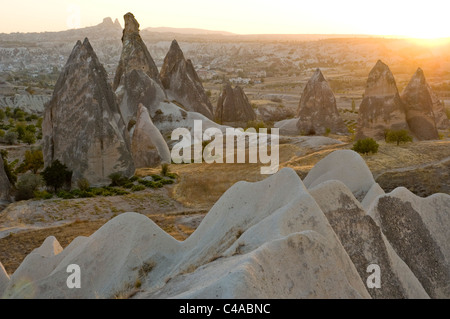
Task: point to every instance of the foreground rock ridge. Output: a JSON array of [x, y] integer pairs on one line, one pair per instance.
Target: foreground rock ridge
[[317, 108], [82, 126], [278, 238]]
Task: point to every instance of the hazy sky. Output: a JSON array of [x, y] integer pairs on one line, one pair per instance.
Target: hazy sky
[[428, 19]]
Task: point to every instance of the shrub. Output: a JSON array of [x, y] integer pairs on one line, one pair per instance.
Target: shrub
[[34, 161], [19, 114], [133, 179], [84, 194], [366, 146], [327, 131], [164, 169], [11, 137], [151, 184], [400, 136], [83, 184], [56, 175], [138, 188], [39, 122], [65, 195], [29, 138], [156, 178], [257, 125], [100, 192], [167, 181], [27, 185], [117, 179], [118, 191], [8, 111], [20, 129], [42, 194], [172, 175], [31, 128]]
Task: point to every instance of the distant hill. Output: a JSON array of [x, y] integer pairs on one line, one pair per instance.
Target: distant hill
[[187, 31]]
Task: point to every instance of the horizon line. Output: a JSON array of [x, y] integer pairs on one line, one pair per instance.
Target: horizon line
[[231, 34]]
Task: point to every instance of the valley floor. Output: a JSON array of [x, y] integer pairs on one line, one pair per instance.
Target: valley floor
[[422, 167]]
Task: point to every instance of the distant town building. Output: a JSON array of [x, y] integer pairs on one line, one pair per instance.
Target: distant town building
[[240, 80]]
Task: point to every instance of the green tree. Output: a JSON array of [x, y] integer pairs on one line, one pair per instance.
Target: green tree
[[31, 128], [8, 111], [56, 175], [29, 138], [19, 114], [27, 185], [2, 115], [20, 129], [11, 137], [398, 136], [34, 161], [366, 146], [83, 184], [353, 106], [39, 122]]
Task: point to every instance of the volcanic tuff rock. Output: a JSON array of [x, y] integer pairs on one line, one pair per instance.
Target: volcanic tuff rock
[[287, 127], [345, 166], [135, 55], [365, 243], [182, 83], [82, 124], [137, 87], [137, 77], [419, 108], [4, 279], [317, 108], [233, 106], [417, 229], [440, 116], [137, 80], [26, 102], [148, 146], [382, 107]]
